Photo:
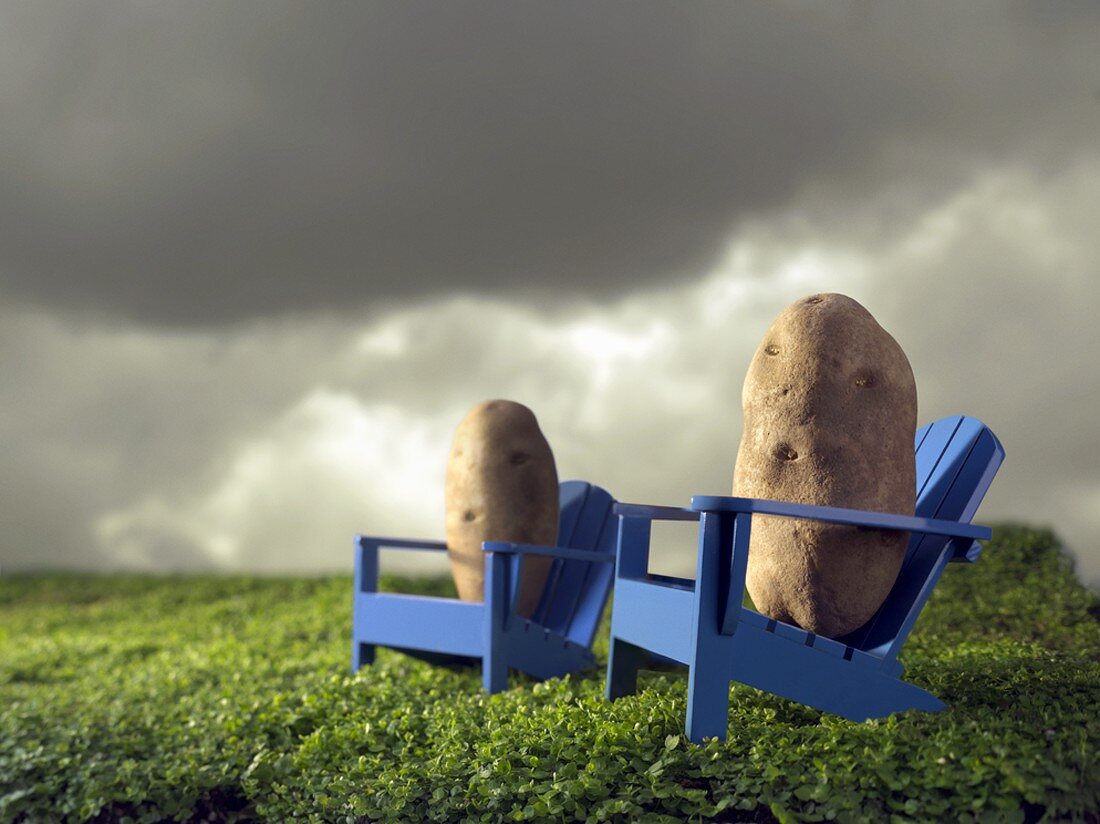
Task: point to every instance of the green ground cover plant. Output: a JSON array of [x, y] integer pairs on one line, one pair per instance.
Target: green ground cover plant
[[229, 699]]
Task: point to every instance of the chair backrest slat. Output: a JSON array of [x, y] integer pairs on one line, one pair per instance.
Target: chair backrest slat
[[578, 608], [956, 459], [576, 591], [571, 498], [929, 444]]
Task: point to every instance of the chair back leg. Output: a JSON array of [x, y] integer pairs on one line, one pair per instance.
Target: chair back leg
[[623, 663], [494, 669], [362, 655]]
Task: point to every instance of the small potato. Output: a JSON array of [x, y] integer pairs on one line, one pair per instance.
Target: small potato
[[830, 414], [502, 485]]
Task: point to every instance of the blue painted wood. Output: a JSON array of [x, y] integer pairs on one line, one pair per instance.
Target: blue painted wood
[[366, 581], [711, 652], [963, 472], [624, 659], [632, 544], [655, 513], [628, 617], [491, 632], [934, 439], [802, 673], [836, 515], [399, 621], [594, 529], [828, 646], [499, 603], [573, 501], [734, 586], [584, 587], [563, 553], [399, 543], [572, 496], [653, 615], [536, 650], [704, 625], [755, 619]]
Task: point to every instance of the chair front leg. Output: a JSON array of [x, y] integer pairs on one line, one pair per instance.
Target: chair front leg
[[499, 570], [632, 561], [711, 649], [708, 701]]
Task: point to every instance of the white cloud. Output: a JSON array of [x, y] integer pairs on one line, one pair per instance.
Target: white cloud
[[291, 497]]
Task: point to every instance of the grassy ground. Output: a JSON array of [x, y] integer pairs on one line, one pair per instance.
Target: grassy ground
[[228, 699]]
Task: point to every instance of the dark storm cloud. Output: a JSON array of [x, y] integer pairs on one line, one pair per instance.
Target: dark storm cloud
[[197, 164], [263, 447]]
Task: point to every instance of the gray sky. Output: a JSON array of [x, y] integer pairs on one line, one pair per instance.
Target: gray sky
[[257, 260]]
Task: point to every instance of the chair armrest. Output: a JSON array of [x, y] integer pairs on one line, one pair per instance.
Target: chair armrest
[[632, 545], [656, 513], [366, 556], [399, 543], [564, 553], [838, 515]]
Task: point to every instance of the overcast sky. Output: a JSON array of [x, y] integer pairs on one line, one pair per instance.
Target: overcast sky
[[258, 259]]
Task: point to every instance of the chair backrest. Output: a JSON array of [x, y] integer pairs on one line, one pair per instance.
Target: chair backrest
[[957, 458], [576, 591]]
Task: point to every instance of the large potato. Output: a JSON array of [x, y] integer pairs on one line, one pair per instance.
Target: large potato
[[502, 485], [830, 414]]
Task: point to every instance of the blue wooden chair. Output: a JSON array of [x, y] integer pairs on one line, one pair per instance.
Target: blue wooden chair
[[703, 624], [556, 640]]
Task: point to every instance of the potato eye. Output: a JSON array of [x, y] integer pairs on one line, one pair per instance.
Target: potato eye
[[771, 349], [785, 452], [519, 458]]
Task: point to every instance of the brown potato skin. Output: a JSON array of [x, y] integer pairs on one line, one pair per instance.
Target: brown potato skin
[[502, 485], [830, 409]]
